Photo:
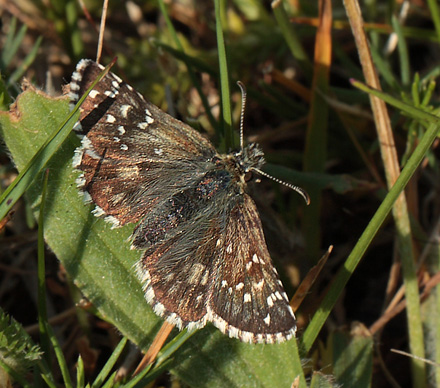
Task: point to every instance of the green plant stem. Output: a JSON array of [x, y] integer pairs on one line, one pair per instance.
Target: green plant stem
[[42, 311], [435, 14], [224, 77], [403, 52], [110, 363], [400, 209], [60, 357]]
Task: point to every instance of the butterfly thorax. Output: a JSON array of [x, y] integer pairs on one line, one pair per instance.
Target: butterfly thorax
[[240, 164]]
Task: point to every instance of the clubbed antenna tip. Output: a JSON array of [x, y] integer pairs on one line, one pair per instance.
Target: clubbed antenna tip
[[299, 190]]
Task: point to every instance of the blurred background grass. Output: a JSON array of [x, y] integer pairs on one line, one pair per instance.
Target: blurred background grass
[[317, 131]]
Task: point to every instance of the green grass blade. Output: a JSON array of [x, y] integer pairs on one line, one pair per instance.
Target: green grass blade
[[80, 377], [110, 363], [48, 381], [146, 379], [42, 311], [6, 53], [228, 135], [60, 357], [21, 69], [13, 44], [435, 14], [403, 52], [111, 380], [408, 109]]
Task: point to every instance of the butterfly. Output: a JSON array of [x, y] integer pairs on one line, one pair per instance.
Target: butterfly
[[204, 256]]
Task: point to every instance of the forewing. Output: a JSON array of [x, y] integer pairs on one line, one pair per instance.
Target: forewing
[[132, 153], [247, 299]]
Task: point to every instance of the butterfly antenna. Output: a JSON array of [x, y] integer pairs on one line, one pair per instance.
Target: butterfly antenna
[[299, 190], [243, 105]]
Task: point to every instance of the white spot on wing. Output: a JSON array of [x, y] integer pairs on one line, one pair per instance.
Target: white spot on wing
[[98, 212], [93, 93], [117, 78], [112, 220], [221, 325], [111, 93], [239, 286], [269, 301], [110, 118], [267, 319], [86, 143], [77, 126], [92, 154], [125, 109], [259, 285], [159, 309], [204, 278], [87, 197], [233, 332], [197, 271], [80, 181], [77, 157], [247, 336], [76, 76], [142, 125], [247, 297]]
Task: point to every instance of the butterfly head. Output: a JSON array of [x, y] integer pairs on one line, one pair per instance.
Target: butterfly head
[[250, 157]]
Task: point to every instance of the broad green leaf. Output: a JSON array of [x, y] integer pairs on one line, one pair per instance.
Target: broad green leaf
[[99, 261], [353, 356]]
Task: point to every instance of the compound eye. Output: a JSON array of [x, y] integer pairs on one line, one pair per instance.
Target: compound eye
[[248, 176]]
